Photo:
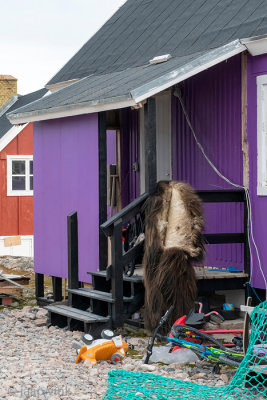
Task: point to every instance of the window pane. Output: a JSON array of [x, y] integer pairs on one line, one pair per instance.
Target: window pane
[[18, 167], [31, 182], [18, 182], [31, 167]]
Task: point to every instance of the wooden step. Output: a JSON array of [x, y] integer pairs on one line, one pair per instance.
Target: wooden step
[[97, 294], [76, 314], [134, 278]]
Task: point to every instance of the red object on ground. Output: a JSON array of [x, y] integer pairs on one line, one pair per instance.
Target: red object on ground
[[7, 301], [181, 321]]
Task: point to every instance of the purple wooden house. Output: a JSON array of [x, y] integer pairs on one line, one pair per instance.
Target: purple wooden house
[[119, 101]]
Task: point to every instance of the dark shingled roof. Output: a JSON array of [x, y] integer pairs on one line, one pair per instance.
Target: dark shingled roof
[[5, 125], [116, 85], [143, 29], [114, 63]]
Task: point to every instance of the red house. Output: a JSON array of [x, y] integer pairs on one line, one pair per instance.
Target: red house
[[16, 173]]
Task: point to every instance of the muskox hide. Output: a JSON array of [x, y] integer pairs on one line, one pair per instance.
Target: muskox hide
[[173, 240]]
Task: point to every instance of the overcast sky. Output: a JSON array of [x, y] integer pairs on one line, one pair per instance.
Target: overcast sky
[[37, 37]]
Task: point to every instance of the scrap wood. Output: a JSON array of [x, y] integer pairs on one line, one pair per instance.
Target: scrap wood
[[11, 290], [23, 280], [15, 283]]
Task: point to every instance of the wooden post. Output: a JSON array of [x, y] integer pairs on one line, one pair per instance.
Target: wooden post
[[246, 239], [39, 285], [57, 288], [73, 279], [244, 119], [150, 145], [102, 155], [117, 275]]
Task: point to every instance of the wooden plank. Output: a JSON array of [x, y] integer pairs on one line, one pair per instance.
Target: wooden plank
[[247, 309], [12, 241], [96, 294], [12, 291], [14, 277], [246, 327], [57, 288], [150, 145], [244, 119], [102, 160], [221, 196], [134, 278], [73, 280], [76, 313], [261, 369], [22, 282], [220, 275], [117, 275], [220, 238], [246, 241], [39, 285], [207, 285]]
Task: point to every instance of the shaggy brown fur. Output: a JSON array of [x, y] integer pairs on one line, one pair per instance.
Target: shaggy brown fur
[[173, 239]]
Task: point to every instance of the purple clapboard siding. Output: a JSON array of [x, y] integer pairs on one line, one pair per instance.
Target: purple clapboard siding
[[213, 101], [256, 66], [66, 180], [130, 154]]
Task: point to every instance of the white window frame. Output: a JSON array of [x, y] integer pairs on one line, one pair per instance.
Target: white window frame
[[262, 135], [27, 191]]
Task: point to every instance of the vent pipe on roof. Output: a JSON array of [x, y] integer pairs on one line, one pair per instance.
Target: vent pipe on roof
[[160, 59]]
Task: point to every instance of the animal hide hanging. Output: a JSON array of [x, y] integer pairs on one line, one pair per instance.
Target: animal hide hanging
[[173, 240]]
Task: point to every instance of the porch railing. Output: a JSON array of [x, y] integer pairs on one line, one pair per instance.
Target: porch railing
[[113, 228], [119, 258], [229, 196]]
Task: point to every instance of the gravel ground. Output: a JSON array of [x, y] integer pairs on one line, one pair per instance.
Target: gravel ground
[[17, 263], [37, 362]]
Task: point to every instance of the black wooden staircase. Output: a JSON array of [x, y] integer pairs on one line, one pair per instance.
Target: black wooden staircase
[[114, 296]]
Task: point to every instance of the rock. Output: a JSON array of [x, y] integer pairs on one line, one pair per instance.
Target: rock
[[148, 367], [35, 357], [41, 313], [224, 378], [198, 376], [17, 263], [41, 322], [181, 376], [20, 334], [29, 315]]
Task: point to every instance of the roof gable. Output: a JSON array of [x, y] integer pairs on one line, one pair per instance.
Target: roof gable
[[21, 101]]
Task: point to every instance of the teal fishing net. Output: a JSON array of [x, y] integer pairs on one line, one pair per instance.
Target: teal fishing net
[[249, 381]]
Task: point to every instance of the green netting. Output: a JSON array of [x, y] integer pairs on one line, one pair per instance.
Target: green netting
[[249, 381]]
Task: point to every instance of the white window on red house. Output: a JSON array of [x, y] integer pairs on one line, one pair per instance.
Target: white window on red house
[[19, 175]]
